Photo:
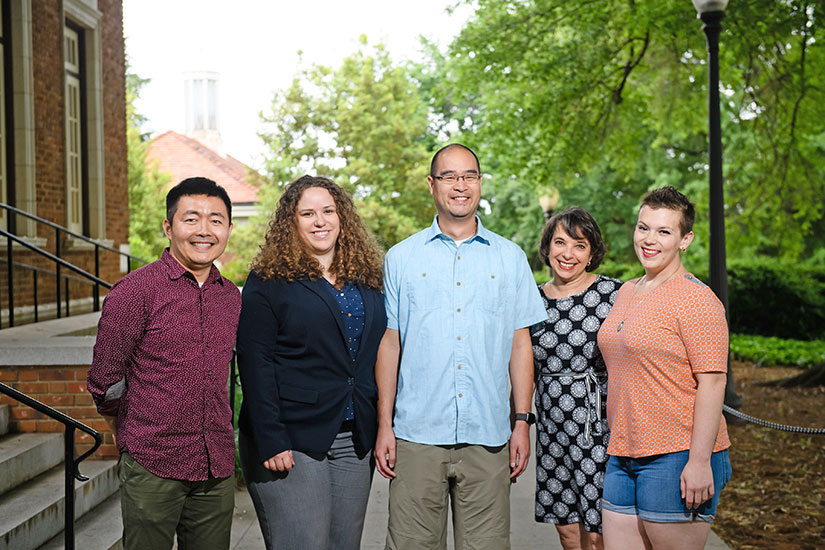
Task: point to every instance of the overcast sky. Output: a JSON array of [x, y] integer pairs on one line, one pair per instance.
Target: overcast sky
[[253, 45]]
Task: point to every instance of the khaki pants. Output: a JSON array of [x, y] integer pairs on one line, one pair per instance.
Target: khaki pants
[[476, 481], [155, 509]]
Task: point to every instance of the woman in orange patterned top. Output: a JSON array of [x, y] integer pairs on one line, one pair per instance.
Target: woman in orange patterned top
[[665, 344]]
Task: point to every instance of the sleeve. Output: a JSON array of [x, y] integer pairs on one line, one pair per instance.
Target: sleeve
[[119, 332], [704, 331], [529, 307], [391, 294], [256, 345]]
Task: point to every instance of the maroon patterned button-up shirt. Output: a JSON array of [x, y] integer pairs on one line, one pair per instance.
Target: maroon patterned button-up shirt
[[161, 363]]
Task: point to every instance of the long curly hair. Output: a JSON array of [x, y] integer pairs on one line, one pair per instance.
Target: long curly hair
[[285, 256]]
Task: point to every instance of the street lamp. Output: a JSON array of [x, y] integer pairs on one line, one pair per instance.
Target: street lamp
[[548, 200], [711, 12]]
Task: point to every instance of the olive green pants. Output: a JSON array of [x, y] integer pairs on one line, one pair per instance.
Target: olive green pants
[[472, 481], [155, 509]]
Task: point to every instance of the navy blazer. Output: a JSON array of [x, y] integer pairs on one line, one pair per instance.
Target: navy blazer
[[296, 371]]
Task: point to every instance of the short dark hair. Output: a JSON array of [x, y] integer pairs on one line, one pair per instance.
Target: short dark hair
[[669, 197], [579, 224], [447, 148], [195, 186]]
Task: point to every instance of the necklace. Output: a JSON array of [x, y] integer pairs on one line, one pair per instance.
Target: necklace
[[630, 308]]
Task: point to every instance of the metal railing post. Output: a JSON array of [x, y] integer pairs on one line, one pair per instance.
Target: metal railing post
[[96, 288], [57, 270], [232, 387], [34, 285], [67, 296], [11, 283], [68, 505]]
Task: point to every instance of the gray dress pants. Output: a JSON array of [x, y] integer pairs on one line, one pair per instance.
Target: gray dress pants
[[319, 504]]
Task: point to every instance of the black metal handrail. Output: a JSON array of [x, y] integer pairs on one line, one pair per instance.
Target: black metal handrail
[[70, 463], [35, 270], [58, 230]]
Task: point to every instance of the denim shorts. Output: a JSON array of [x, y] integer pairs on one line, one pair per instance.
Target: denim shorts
[[649, 487]]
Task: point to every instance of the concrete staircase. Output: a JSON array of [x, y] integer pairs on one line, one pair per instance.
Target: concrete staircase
[[32, 495]]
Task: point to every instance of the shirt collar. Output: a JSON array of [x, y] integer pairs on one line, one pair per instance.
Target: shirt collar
[[176, 270], [482, 234]]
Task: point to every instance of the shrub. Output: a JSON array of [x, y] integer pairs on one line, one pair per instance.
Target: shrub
[[768, 350]]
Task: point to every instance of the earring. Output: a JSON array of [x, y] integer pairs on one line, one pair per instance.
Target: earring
[[588, 262]]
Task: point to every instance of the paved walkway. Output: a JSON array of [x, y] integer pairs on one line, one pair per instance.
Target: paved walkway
[[525, 534]]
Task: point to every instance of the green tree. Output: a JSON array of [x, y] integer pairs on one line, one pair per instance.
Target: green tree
[[365, 125], [146, 184], [605, 100]]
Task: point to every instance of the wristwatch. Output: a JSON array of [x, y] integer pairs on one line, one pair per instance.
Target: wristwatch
[[530, 418]]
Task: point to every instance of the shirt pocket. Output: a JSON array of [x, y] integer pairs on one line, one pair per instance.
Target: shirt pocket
[[493, 292], [424, 292]]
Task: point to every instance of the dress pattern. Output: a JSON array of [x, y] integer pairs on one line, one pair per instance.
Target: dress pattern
[[571, 389]]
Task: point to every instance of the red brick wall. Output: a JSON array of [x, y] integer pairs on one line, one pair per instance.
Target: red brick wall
[[49, 140], [60, 387]]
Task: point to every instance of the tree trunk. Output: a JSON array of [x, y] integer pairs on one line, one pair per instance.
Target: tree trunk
[[814, 376]]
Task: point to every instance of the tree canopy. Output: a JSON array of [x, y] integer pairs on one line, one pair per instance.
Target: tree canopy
[[145, 183], [605, 100], [365, 126]]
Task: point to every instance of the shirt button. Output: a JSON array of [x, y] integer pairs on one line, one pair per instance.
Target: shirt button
[[207, 401], [207, 345], [349, 314], [350, 381], [458, 284], [461, 395], [459, 367], [209, 373], [349, 339], [458, 337], [206, 431], [459, 257], [492, 276], [458, 310]]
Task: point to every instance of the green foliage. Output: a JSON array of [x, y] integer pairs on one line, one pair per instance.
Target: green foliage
[[246, 239], [146, 184], [768, 350], [364, 125], [776, 299], [605, 100]]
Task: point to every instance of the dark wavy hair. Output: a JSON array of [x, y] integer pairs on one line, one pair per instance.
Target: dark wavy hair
[[669, 197], [579, 224], [284, 255]]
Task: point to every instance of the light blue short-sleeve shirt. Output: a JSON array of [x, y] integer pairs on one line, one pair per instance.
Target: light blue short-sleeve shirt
[[456, 308]]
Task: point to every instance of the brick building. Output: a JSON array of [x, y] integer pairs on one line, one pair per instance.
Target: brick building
[[62, 143], [63, 158]]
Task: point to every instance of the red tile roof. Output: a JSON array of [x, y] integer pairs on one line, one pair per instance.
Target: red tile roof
[[184, 157]]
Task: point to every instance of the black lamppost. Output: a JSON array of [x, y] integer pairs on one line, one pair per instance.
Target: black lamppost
[[711, 12], [548, 201]]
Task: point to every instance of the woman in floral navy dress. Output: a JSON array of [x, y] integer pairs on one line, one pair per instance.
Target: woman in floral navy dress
[[571, 380]]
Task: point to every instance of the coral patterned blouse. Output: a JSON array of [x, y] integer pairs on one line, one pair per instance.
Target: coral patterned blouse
[[652, 345]]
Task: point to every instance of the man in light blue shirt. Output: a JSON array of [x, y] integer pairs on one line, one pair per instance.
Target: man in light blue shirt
[[459, 301]]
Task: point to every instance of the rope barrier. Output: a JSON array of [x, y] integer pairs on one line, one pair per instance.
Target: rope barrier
[[773, 425]]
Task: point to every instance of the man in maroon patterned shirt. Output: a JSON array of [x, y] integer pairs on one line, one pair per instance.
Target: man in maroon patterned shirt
[[161, 363]]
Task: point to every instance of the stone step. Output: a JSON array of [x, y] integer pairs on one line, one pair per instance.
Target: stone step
[[100, 529], [4, 419], [24, 456], [33, 513]]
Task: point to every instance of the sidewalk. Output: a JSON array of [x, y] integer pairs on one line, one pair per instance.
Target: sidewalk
[[525, 533]]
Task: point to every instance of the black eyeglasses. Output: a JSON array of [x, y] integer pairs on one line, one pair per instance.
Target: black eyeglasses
[[468, 178]]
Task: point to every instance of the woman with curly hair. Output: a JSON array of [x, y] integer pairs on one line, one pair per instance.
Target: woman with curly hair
[[311, 321]]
